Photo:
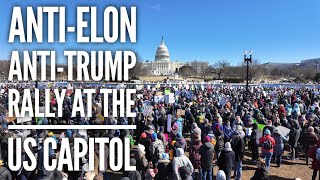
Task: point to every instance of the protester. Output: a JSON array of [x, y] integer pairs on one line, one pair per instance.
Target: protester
[[221, 175], [254, 143], [213, 117], [194, 152], [180, 161], [267, 144], [294, 136], [226, 160], [238, 145], [164, 168], [206, 151], [279, 145], [133, 175], [314, 153], [308, 140], [4, 172], [261, 172]]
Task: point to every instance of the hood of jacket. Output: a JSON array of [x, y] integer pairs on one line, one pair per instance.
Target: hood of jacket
[[179, 152]]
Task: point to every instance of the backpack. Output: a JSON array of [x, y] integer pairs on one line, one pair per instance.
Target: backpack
[[267, 144], [318, 154]]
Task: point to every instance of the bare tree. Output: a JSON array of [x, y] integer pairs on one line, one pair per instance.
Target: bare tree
[[186, 71], [220, 67]]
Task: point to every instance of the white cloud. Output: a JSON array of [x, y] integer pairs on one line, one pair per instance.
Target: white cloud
[[156, 7]]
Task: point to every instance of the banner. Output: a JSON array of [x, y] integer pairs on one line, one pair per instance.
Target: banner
[[158, 99]]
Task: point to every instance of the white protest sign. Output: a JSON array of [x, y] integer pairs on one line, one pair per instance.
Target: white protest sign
[[169, 98], [21, 120], [139, 87], [283, 130]]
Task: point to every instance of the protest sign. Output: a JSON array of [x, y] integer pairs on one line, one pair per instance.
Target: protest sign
[[21, 120], [169, 98], [139, 87], [283, 130], [169, 123], [189, 95], [158, 99]]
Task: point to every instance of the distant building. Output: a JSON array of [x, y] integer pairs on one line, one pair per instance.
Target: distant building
[[163, 66], [281, 66], [313, 64]]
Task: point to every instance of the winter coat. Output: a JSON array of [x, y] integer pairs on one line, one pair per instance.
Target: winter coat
[[206, 151], [219, 140], [312, 154], [195, 129], [195, 154], [5, 173], [164, 170], [254, 142], [157, 144], [308, 139], [294, 135], [227, 132], [238, 147], [179, 122], [141, 161], [179, 161], [260, 174], [133, 175], [226, 160], [279, 139], [205, 130], [265, 138], [164, 138]]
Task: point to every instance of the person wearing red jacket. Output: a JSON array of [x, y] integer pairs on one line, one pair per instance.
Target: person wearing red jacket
[[315, 162], [267, 143]]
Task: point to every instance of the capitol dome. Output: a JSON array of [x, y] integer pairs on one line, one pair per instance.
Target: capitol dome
[[162, 52]]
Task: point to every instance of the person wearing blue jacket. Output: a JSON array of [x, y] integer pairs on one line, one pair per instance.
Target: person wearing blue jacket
[[227, 131]]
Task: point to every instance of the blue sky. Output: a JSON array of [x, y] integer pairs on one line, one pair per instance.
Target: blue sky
[[209, 30]]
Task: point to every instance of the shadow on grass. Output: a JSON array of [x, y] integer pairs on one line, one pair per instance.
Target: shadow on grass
[[293, 163], [248, 168]]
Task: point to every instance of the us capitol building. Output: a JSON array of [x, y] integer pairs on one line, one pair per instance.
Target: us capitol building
[[162, 66]]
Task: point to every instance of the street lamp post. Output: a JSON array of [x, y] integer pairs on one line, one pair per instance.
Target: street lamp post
[[247, 60]]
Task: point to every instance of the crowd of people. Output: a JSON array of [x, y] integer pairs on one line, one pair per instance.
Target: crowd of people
[[204, 128]]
